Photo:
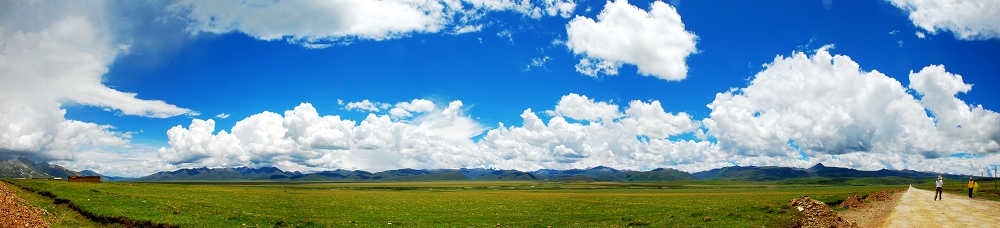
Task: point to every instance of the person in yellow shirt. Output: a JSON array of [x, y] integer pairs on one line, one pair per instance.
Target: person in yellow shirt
[[971, 183]]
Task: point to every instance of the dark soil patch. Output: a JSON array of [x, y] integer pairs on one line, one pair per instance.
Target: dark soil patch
[[853, 202], [878, 196]]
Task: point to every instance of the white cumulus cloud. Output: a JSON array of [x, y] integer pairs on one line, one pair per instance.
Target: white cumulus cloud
[[824, 105], [55, 54], [407, 109], [442, 137], [649, 119], [366, 105], [654, 41], [548, 7], [301, 138], [966, 128], [319, 24], [831, 109], [637, 140], [562, 8], [314, 21], [582, 108], [967, 19]]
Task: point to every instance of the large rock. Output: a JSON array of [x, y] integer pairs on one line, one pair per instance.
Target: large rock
[[852, 202], [817, 214]]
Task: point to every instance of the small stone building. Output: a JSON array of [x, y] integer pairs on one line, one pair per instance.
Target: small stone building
[[90, 179]]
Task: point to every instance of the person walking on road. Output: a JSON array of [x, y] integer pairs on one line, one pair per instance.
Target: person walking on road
[[971, 183], [937, 194]]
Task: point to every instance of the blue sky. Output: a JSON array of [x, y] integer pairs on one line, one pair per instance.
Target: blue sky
[[206, 60]]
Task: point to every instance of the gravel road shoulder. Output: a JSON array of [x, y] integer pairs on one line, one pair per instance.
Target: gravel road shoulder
[[873, 213], [917, 208], [16, 211]]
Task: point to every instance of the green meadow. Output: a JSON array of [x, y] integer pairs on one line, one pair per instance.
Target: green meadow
[[446, 204]]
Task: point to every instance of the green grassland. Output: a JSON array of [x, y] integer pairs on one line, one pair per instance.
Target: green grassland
[[447, 204]]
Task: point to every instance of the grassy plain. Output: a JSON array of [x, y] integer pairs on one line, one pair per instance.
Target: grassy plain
[[447, 204]]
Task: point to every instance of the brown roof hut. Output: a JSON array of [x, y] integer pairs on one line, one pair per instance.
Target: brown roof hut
[[90, 179]]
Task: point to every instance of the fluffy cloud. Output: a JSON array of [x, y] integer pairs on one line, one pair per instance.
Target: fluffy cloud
[[560, 144], [654, 41], [366, 105], [636, 140], [563, 8], [582, 108], [442, 137], [968, 19], [821, 106], [317, 24], [314, 21], [525, 7], [828, 107], [55, 54], [649, 119], [301, 138], [406, 109], [967, 128]]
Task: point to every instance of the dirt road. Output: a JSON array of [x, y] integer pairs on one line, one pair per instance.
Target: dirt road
[[917, 208]]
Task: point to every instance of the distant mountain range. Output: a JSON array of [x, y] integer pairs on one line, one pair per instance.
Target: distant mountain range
[[773, 173], [22, 167], [599, 173], [25, 168]]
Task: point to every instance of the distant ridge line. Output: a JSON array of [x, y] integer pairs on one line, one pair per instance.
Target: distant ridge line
[[598, 173], [25, 168]]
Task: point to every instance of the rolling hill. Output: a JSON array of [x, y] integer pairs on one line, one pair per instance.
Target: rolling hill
[[820, 170], [594, 172], [25, 168], [661, 174], [220, 174], [599, 173], [751, 173]]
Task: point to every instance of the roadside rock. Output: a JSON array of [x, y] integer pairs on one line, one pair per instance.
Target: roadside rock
[[853, 202], [817, 214]]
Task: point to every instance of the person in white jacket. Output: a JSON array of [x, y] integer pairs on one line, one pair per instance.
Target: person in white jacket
[[937, 194]]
